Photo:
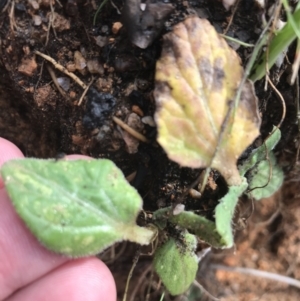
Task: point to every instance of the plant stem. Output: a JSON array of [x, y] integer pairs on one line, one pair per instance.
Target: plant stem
[[139, 235], [236, 40], [280, 42], [98, 11]]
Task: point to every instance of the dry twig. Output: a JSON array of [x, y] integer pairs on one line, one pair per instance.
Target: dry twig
[[12, 21], [232, 16], [62, 69], [85, 91], [50, 24], [130, 130], [54, 79]]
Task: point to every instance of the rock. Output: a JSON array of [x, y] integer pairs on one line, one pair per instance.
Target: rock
[[149, 120], [37, 20], [116, 27], [95, 67], [132, 143], [104, 130], [64, 82], [98, 107], [28, 66], [45, 95], [104, 84], [71, 67], [79, 60], [136, 109], [101, 41], [59, 23]]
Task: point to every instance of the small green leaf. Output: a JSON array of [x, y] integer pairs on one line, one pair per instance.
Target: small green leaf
[[259, 153], [76, 208], [259, 176], [281, 41], [225, 210], [202, 227], [176, 263], [199, 225]]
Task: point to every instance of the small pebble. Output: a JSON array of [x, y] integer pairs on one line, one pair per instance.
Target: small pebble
[[71, 67], [72, 94], [178, 209], [136, 109], [149, 120], [37, 20], [94, 66], [104, 28], [228, 3], [132, 143], [195, 194], [261, 3], [101, 41], [143, 6], [103, 131], [280, 24], [104, 84], [64, 82], [79, 60], [28, 66], [59, 23], [116, 27]]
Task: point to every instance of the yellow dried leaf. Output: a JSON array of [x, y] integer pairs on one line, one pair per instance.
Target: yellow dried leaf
[[196, 80]]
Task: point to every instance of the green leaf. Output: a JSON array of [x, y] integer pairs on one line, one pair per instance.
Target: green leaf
[[260, 153], [281, 41], [225, 210], [199, 225], [76, 208], [176, 263], [259, 176]]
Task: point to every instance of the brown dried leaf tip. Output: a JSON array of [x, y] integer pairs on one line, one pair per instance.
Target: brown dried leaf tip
[[197, 78]]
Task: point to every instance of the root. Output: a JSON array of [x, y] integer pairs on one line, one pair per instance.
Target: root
[[85, 91], [54, 79], [257, 273], [62, 69], [130, 130]]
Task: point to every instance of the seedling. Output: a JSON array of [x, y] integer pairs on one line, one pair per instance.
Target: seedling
[[281, 41], [98, 11], [79, 208]]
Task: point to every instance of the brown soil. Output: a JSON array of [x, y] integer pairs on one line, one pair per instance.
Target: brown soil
[[44, 123]]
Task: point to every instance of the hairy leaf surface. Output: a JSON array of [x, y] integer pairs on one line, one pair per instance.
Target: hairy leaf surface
[[265, 178], [225, 210], [76, 208], [260, 153], [199, 225], [176, 263]]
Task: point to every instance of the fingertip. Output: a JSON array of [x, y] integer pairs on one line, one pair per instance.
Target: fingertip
[[108, 290], [76, 280], [8, 151]]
